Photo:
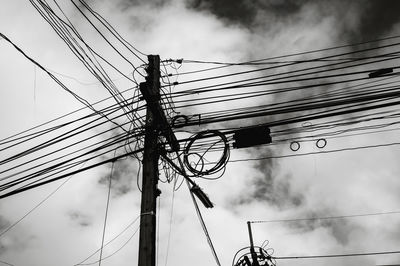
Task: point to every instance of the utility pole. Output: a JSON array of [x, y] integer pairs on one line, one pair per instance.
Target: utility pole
[[252, 251], [156, 125], [147, 238]]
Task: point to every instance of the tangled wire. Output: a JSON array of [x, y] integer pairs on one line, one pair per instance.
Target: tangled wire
[[260, 256], [195, 147]]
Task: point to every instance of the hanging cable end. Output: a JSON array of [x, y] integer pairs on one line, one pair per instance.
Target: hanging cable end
[[199, 193]]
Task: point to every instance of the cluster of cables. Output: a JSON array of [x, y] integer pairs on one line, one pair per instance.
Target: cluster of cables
[[204, 155], [60, 147], [312, 96], [254, 256], [67, 145], [96, 63]]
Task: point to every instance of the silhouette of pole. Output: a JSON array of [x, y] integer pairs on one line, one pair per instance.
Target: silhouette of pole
[[252, 251], [147, 238]]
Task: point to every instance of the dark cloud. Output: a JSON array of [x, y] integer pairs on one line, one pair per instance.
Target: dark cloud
[[357, 20], [340, 229], [376, 19], [124, 4], [245, 12], [80, 218], [269, 187], [124, 175], [242, 12], [276, 191]]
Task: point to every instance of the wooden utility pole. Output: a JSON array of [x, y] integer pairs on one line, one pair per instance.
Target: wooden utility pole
[[156, 125], [147, 239]]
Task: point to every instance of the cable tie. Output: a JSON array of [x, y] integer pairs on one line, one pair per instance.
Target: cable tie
[[148, 213]]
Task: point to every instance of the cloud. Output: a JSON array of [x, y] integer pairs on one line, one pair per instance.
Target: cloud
[[358, 20], [123, 176], [305, 187], [241, 12], [376, 19], [80, 218], [4, 224]]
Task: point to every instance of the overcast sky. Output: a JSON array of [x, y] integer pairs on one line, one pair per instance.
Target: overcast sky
[[67, 228]]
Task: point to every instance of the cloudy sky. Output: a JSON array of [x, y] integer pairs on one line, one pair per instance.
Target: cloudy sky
[[67, 228]]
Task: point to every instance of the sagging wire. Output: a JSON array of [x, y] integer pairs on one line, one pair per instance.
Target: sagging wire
[[203, 225], [136, 70], [115, 252], [85, 53], [158, 228], [170, 222], [113, 31], [138, 176], [194, 189], [37, 205], [114, 238], [106, 214]]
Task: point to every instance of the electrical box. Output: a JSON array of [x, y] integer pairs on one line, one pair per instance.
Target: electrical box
[[380, 72], [248, 137]]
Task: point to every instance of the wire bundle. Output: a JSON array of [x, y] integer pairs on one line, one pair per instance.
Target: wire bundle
[[309, 96], [330, 87], [45, 154]]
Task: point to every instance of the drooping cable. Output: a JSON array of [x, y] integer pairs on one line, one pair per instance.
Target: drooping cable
[[113, 31], [80, 99], [337, 255], [106, 214], [36, 206], [109, 241], [203, 225], [170, 223], [327, 217]]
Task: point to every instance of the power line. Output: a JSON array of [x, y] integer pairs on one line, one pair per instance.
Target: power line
[[50, 180], [291, 73], [3, 141], [48, 73], [225, 65], [110, 241], [293, 54], [106, 214], [318, 152], [34, 208], [326, 217], [170, 223], [337, 255], [80, 99], [113, 31], [115, 252], [203, 225], [101, 34], [85, 53]]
